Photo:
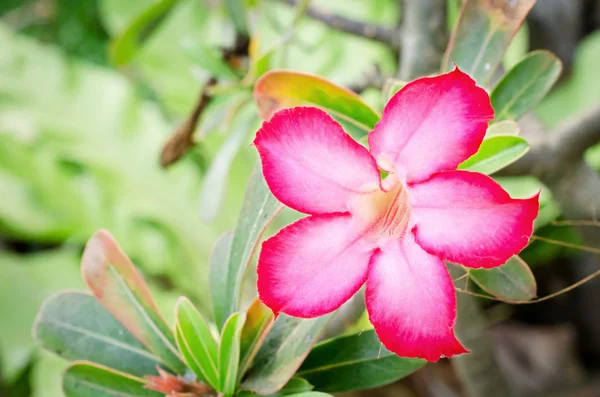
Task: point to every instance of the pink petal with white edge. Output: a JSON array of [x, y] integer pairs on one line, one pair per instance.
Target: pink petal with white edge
[[432, 124], [411, 302], [467, 218], [311, 164], [313, 266]]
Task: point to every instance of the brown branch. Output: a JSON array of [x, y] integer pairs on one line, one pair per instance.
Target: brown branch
[[182, 139], [382, 34]]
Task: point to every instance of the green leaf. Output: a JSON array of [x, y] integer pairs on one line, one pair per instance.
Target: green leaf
[[355, 362], [125, 46], [482, 35], [495, 153], [229, 353], [525, 85], [84, 379], [208, 58], [258, 209], [511, 282], [237, 11], [504, 127], [196, 342], [281, 89], [311, 394], [392, 86], [75, 326], [259, 320], [27, 280], [282, 352], [116, 283], [292, 388], [215, 179]]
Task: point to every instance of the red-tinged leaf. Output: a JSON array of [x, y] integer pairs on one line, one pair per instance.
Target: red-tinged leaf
[[176, 385], [119, 287], [280, 89], [482, 35], [259, 320]]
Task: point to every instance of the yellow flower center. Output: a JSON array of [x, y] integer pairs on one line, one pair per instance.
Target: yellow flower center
[[383, 215]]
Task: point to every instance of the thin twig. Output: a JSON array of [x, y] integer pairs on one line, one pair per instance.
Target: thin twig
[[382, 34], [576, 223], [568, 245], [544, 298], [182, 139]]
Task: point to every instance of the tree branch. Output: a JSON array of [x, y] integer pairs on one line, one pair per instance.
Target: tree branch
[[578, 134], [424, 37], [553, 153], [382, 34]]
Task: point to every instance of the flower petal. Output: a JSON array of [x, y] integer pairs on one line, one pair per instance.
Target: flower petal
[[432, 124], [467, 218], [311, 164], [313, 266], [411, 301]]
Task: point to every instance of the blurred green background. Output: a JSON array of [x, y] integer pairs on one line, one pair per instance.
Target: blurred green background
[[80, 141]]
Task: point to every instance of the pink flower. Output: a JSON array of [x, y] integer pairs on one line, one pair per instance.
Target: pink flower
[[392, 234]]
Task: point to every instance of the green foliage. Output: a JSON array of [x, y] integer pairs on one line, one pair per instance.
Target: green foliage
[[229, 353], [26, 280], [482, 35], [525, 85], [75, 326], [354, 362], [196, 342], [118, 286], [90, 380], [511, 282], [282, 352], [495, 153], [125, 46], [258, 210]]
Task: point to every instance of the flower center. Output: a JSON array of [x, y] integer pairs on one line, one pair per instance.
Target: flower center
[[384, 215]]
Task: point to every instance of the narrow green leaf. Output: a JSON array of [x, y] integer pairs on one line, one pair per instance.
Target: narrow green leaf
[[525, 85], [504, 127], [237, 11], [75, 326], [83, 379], [259, 319], [282, 352], [482, 35], [125, 46], [229, 353], [196, 340], [495, 153], [258, 210], [355, 362], [116, 283], [511, 282], [215, 180], [279, 89], [186, 352]]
